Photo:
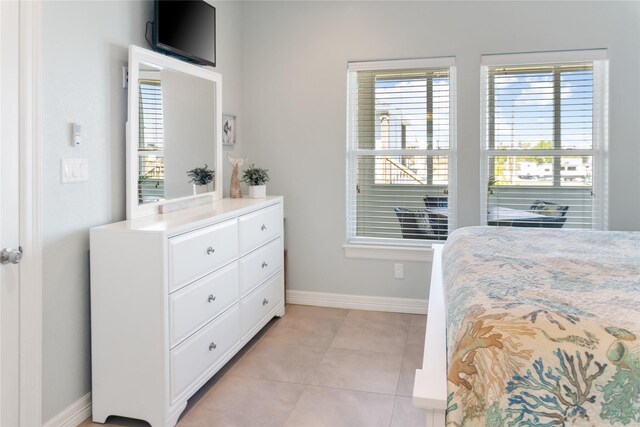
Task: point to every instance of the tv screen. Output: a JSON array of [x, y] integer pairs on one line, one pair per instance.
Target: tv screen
[[186, 28]]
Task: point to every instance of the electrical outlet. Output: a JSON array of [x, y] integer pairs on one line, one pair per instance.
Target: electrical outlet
[[398, 271]]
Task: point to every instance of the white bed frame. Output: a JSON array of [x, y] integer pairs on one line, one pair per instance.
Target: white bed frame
[[430, 386]]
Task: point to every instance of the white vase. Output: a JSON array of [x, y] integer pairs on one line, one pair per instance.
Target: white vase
[[200, 189], [257, 191]]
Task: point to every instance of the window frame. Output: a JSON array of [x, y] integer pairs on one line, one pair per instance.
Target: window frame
[[394, 248], [599, 149]]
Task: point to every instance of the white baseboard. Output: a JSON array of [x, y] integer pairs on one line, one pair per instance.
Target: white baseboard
[[358, 302], [74, 415]]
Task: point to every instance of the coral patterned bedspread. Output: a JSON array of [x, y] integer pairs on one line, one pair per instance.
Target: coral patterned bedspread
[[543, 327]]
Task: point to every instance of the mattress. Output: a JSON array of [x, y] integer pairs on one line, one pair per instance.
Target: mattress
[[543, 327]]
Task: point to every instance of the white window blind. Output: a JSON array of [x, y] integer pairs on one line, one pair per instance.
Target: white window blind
[[151, 142], [400, 151], [543, 144]]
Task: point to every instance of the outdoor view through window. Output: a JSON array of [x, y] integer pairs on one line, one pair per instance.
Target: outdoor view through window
[[539, 150], [543, 133], [399, 151], [541, 108]]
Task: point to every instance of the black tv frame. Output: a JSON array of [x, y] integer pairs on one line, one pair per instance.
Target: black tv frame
[[171, 51]]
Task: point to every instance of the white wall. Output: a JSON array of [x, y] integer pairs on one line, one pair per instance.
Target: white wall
[[84, 48], [294, 100]]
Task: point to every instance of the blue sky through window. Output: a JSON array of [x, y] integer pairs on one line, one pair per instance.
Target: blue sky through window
[[524, 109], [402, 101]]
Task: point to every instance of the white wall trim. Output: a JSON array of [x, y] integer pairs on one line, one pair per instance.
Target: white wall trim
[[74, 415], [31, 212], [358, 302], [544, 57], [397, 253], [443, 61]]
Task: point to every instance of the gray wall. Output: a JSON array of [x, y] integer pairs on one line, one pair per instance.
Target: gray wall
[[85, 47], [294, 99]]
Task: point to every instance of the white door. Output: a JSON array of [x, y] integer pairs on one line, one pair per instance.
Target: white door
[[9, 214]]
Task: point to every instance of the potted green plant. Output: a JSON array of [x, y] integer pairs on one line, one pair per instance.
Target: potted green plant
[[256, 178], [491, 198], [201, 178], [491, 182]]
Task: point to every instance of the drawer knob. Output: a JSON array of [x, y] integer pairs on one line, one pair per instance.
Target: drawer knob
[[264, 264], [211, 298], [210, 250], [265, 301], [212, 346], [264, 227]]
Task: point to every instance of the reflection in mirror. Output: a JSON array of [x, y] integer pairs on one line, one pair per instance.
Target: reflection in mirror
[[175, 111], [176, 132], [151, 141]]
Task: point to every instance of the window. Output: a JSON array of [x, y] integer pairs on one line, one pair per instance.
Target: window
[[151, 142], [400, 151], [544, 140]]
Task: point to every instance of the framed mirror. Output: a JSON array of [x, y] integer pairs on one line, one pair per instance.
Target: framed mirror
[[174, 126]]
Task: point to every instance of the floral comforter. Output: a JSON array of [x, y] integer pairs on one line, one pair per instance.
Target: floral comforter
[[543, 327]]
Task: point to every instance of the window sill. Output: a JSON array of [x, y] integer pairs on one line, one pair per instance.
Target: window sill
[[398, 253]]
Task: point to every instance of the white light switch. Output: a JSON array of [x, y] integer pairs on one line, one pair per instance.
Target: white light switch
[[74, 170]]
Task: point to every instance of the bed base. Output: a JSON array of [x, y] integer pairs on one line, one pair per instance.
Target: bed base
[[430, 386]]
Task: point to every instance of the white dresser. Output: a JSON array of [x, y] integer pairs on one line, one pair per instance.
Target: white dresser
[[174, 297]]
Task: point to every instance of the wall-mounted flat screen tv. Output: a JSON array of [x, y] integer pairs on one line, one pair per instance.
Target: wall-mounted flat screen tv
[[187, 29]]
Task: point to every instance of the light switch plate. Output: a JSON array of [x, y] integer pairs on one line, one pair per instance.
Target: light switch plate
[[74, 170]]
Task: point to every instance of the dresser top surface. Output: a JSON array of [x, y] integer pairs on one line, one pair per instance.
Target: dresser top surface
[[193, 217]]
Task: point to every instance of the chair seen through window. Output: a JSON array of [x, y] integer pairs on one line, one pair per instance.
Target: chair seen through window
[[553, 215]]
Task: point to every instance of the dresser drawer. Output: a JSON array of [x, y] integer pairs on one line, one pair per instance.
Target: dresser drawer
[[259, 227], [194, 305], [260, 302], [194, 356], [194, 254], [259, 265]]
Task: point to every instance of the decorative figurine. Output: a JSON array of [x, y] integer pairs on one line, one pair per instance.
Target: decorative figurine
[[236, 192]]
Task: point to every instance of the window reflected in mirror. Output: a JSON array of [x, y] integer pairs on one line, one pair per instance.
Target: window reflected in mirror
[[150, 142], [176, 131]]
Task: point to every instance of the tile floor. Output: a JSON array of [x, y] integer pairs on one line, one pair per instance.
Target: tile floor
[[315, 367]]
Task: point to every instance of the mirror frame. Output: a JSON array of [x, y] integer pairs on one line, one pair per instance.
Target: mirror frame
[[138, 56]]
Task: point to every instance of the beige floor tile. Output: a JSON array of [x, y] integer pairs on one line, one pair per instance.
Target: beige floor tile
[[407, 415], [373, 355], [319, 406], [278, 360], [378, 316], [312, 311], [411, 361], [276, 348], [372, 336], [241, 401], [305, 330], [358, 370], [416, 335], [418, 320]]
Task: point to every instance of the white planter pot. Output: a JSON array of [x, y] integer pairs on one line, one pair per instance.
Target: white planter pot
[[257, 191], [200, 189]]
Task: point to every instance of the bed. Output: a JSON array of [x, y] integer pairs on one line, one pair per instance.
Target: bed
[[542, 329]]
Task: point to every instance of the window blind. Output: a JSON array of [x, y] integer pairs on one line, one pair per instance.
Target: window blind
[[151, 142], [541, 146], [399, 153]]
